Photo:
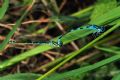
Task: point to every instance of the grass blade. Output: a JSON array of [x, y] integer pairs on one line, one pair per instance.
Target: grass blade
[[20, 76], [4, 8], [110, 49]]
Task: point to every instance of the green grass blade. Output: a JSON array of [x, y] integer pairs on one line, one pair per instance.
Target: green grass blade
[[20, 76], [82, 12], [110, 49], [116, 77], [4, 8]]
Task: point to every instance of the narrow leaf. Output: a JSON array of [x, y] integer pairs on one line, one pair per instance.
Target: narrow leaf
[[4, 8], [20, 76], [110, 49]]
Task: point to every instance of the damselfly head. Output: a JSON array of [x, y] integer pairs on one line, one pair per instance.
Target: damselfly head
[[60, 44], [94, 27], [59, 41], [102, 28]]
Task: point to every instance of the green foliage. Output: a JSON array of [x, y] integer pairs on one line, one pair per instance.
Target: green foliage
[[78, 72], [103, 17], [110, 49], [102, 72], [103, 6], [106, 17], [116, 77], [20, 76], [3, 8], [105, 12]]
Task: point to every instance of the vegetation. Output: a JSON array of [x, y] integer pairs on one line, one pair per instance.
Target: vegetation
[[83, 55]]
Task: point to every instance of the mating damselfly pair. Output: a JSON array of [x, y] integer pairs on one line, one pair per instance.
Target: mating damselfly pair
[[97, 30]]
